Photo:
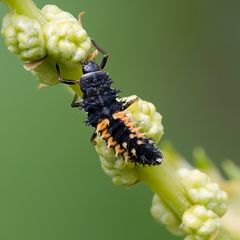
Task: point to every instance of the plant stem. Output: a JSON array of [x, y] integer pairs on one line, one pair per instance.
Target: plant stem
[[26, 8], [164, 181], [73, 73]]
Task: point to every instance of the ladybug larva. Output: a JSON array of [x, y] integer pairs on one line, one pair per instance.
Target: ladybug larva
[[106, 114]]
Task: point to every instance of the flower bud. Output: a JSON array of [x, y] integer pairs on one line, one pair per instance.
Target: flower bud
[[145, 116], [200, 221], [201, 190], [165, 216], [24, 37], [122, 173], [66, 40]]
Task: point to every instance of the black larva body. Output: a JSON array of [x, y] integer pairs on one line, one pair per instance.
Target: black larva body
[[105, 114]]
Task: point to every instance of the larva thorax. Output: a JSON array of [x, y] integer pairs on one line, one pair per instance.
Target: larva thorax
[[99, 99]]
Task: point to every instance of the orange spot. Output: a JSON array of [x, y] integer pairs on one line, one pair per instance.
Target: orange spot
[[125, 119], [105, 134], [140, 135], [126, 156], [111, 143], [118, 115], [129, 124], [118, 149], [135, 130], [102, 125]]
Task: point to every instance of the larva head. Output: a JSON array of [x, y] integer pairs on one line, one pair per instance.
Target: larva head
[[90, 66]]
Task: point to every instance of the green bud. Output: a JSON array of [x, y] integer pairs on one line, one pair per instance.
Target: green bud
[[201, 190], [198, 220], [122, 173], [66, 40], [162, 214], [201, 219], [144, 115], [24, 37]]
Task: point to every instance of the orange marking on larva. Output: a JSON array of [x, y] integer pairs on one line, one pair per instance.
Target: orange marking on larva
[[102, 125], [105, 134], [111, 143], [129, 125], [125, 119], [140, 135], [126, 156], [118, 150], [135, 130], [118, 115]]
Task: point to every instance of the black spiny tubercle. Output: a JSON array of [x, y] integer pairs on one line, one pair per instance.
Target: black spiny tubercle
[[106, 114]]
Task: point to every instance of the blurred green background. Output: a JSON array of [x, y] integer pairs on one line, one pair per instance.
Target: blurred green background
[[181, 55]]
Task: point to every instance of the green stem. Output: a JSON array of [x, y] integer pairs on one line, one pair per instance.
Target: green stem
[[231, 169], [164, 181], [26, 8], [74, 73]]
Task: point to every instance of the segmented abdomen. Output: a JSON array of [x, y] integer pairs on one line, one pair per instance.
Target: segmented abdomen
[[126, 139]]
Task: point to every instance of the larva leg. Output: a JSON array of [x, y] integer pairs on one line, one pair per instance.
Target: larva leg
[[101, 50], [65, 81]]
